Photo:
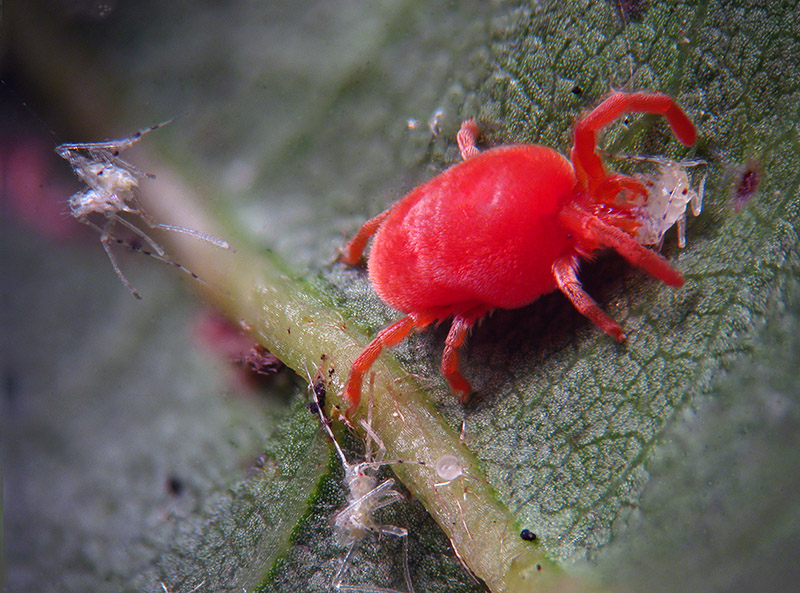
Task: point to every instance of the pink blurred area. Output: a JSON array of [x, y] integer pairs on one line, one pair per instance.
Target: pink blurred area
[[249, 365], [34, 190]]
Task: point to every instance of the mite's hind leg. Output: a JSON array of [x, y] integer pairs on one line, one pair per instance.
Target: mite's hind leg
[[386, 338], [455, 338], [565, 271]]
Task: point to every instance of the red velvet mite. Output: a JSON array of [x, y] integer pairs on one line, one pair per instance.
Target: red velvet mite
[[501, 229]]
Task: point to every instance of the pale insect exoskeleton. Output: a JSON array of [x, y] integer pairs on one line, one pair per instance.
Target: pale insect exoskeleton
[[111, 192], [365, 495], [669, 194]]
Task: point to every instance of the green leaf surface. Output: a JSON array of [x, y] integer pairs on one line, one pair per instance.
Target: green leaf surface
[[664, 464]]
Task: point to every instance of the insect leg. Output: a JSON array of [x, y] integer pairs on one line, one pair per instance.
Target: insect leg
[[697, 199], [203, 236], [180, 229], [105, 241], [130, 140], [107, 237], [164, 259], [400, 532], [340, 574], [406, 572], [338, 578], [158, 249], [681, 225], [111, 146], [380, 496]]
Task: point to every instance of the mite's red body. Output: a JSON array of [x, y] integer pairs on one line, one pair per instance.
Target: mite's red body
[[461, 241], [503, 228]]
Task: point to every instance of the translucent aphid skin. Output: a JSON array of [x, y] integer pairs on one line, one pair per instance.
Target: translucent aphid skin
[[365, 495], [111, 181], [503, 228], [111, 191], [669, 194]]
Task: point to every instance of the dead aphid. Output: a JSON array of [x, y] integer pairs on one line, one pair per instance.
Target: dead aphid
[[364, 495], [112, 191], [318, 385], [317, 405], [669, 194], [320, 382]]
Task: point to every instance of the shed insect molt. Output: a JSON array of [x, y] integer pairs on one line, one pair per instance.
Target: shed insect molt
[[365, 495], [112, 190]]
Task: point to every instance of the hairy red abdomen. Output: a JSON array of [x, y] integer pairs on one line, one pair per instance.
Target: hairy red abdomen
[[484, 232]]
